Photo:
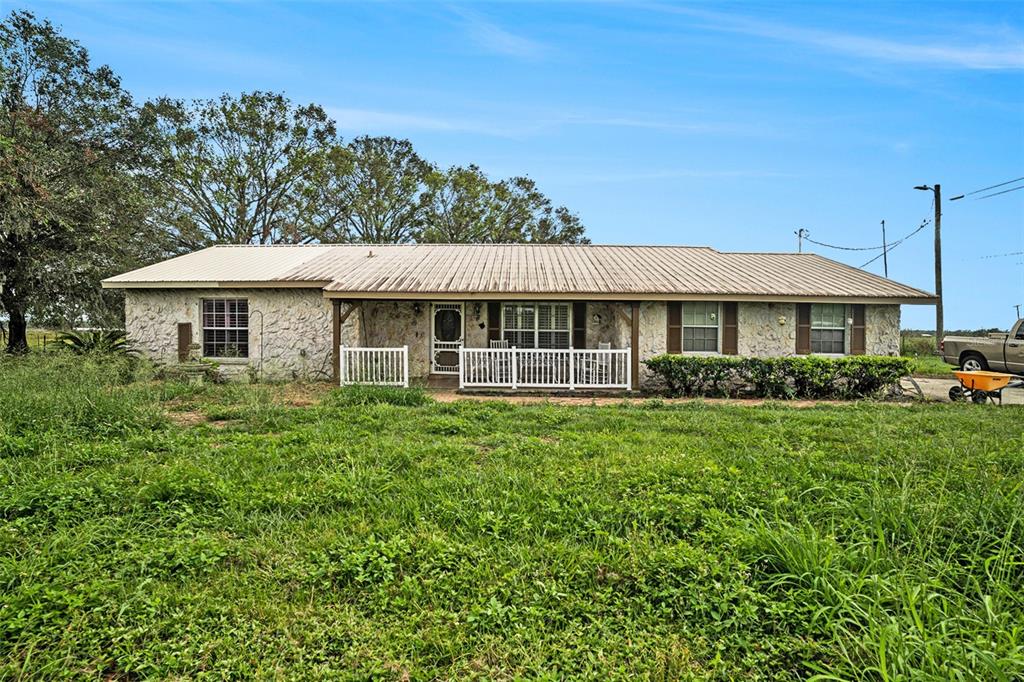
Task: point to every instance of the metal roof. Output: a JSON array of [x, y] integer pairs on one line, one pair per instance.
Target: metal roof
[[523, 270]]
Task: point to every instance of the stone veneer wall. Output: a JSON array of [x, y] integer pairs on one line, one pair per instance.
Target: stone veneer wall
[[293, 338], [882, 329], [766, 329], [769, 329]]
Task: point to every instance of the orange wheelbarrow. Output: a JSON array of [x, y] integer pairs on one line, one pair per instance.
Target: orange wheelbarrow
[[981, 387]]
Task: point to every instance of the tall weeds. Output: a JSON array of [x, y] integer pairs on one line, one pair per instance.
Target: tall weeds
[[61, 393]]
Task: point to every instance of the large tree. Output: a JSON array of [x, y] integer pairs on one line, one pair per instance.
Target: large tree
[[462, 205], [75, 177], [377, 185], [248, 170]]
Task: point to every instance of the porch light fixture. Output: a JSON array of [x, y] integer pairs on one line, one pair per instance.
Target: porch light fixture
[[782, 320], [417, 308]]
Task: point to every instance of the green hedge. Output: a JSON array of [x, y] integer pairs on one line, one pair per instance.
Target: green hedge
[[858, 376]]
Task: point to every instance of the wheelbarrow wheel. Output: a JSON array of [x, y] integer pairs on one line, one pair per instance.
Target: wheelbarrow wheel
[[956, 393], [979, 397]]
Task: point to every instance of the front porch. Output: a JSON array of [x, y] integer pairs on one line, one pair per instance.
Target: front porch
[[497, 368], [488, 345]]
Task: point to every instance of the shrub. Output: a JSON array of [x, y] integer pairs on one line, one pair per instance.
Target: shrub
[[789, 377], [108, 341]]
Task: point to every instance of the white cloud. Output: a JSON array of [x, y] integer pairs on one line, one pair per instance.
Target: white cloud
[[368, 121], [524, 124], [490, 37], [669, 174], [1006, 54]]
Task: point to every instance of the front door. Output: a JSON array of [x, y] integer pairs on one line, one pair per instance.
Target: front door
[[446, 332]]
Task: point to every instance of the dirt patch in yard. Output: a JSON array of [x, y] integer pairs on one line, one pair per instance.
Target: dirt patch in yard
[[187, 418]]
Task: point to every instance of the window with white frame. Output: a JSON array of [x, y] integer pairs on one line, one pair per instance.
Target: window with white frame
[[225, 328], [828, 328], [700, 327], [536, 325]]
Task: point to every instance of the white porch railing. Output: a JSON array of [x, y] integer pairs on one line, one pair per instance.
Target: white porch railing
[[569, 368], [378, 366]]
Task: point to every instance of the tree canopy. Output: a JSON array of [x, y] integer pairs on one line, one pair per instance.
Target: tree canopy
[[245, 170], [92, 183], [75, 170]]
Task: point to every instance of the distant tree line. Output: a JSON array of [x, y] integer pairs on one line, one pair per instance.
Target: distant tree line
[[93, 183]]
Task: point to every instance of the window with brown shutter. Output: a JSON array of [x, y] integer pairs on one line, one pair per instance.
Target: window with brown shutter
[[493, 321], [730, 336], [184, 341], [858, 337], [579, 324], [675, 328], [803, 328]]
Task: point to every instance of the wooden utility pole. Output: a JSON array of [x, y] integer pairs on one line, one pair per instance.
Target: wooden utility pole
[[938, 266], [937, 191], [885, 252]]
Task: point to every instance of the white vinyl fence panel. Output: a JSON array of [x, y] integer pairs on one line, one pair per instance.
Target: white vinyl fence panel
[[374, 366], [568, 368]]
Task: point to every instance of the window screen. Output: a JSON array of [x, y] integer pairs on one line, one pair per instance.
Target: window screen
[[700, 327], [828, 328], [536, 325], [226, 328]]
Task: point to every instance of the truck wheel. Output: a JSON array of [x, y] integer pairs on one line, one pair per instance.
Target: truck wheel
[[973, 362]]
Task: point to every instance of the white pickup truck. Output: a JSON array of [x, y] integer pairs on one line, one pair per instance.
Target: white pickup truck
[[996, 352]]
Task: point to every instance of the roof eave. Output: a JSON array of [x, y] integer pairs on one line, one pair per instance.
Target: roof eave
[[265, 284], [628, 296]]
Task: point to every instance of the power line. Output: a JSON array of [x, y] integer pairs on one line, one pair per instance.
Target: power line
[[996, 194], [843, 248], [984, 189], [893, 245], [1002, 255]]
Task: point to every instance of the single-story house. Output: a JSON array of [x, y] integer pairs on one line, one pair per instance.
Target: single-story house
[[512, 315]]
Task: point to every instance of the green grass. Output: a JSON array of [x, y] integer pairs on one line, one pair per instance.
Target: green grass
[[921, 350], [931, 366], [162, 530], [41, 338]]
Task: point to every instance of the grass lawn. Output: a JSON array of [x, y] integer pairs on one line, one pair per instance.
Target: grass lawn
[[160, 530], [931, 366]]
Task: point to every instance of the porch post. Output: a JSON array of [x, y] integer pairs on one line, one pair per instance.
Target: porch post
[[634, 347], [336, 339], [572, 371]]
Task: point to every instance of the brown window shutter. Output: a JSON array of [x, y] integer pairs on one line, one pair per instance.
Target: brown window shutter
[[579, 324], [674, 343], [730, 337], [803, 328], [184, 340], [858, 342], [493, 320]]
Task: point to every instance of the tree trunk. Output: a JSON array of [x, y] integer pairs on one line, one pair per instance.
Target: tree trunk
[[17, 334]]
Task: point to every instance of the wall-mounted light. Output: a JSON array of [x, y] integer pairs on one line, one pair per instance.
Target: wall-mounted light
[[476, 309], [417, 307], [597, 318], [782, 320]]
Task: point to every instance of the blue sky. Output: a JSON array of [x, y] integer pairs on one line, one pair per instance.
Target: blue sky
[[728, 125]]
